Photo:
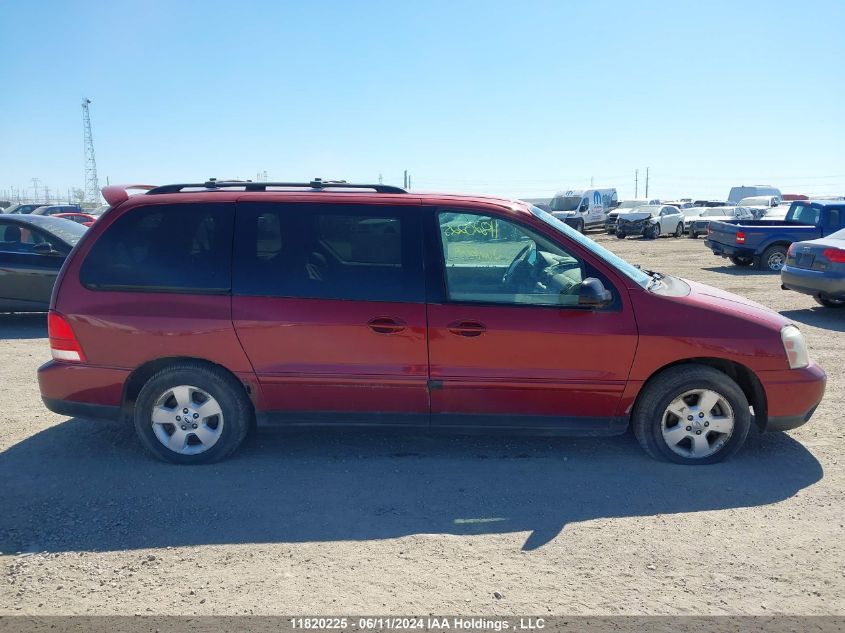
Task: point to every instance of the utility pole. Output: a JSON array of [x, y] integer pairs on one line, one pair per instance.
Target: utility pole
[[92, 185], [405, 180], [379, 179], [591, 182], [636, 182], [646, 182]]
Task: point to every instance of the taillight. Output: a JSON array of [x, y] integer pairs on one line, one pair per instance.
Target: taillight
[[63, 343], [740, 237], [834, 255], [790, 252]]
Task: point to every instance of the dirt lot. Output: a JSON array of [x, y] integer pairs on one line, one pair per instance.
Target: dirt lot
[[364, 523]]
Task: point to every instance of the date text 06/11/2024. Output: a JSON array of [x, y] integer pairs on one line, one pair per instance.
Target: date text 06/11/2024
[[430, 623]]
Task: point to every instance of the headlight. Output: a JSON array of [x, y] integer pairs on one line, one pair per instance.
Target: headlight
[[795, 347]]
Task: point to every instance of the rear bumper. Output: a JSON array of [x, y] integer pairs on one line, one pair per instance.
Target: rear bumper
[[82, 409], [728, 251], [813, 282], [82, 390], [792, 395]]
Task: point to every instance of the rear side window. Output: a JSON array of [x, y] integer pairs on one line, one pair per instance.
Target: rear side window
[[164, 248], [357, 252]]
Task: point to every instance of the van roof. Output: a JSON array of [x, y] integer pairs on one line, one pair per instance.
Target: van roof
[[335, 191]]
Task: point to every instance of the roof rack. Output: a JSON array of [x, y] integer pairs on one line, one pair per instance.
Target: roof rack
[[248, 185]]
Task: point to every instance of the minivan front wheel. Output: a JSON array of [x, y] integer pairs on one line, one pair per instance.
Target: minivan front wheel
[[192, 414], [691, 414]]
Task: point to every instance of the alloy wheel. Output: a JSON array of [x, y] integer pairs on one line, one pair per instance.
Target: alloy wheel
[[776, 261], [698, 423]]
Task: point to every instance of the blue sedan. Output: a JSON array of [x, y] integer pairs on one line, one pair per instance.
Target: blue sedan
[[817, 268]]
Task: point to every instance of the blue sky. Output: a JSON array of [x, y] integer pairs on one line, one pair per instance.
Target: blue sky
[[518, 99]]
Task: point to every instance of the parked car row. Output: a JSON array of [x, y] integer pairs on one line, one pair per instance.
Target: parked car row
[[697, 220]]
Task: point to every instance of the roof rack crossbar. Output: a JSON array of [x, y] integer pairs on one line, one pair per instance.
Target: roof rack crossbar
[[249, 185]]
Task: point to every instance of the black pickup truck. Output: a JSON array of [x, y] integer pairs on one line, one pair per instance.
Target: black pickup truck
[[763, 243]]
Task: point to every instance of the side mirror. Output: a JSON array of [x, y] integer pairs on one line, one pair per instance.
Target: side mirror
[[45, 248], [593, 294]]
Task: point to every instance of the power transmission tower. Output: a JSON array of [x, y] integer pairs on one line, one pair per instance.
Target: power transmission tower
[[636, 182], [92, 185], [646, 182]]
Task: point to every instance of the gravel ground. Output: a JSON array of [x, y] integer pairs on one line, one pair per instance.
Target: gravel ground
[[342, 523]]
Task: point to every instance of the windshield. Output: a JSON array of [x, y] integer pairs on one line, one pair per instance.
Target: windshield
[[756, 201], [630, 271], [565, 203], [630, 204]]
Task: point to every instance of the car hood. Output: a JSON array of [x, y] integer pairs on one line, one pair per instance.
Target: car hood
[[712, 297], [634, 216]]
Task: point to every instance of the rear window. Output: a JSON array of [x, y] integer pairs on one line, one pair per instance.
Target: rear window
[[803, 214], [164, 248]]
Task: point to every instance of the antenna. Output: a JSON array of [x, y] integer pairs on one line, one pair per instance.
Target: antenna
[[92, 185]]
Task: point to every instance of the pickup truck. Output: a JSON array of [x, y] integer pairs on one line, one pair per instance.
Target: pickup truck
[[763, 243]]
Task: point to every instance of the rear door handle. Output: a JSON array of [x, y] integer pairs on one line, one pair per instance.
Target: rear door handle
[[467, 328], [386, 325]]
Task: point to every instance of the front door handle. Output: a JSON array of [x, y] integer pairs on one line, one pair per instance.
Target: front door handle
[[386, 325], [467, 328]]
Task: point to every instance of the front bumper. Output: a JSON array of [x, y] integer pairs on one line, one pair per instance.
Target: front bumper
[[792, 395], [813, 282], [631, 228]]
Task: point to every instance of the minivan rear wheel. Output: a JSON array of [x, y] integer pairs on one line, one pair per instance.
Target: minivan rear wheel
[[191, 413], [691, 414]]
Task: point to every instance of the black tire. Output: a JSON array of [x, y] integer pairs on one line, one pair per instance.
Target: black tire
[[773, 259], [652, 232], [222, 386], [620, 235], [693, 235], [660, 391], [828, 302], [679, 230], [742, 261], [580, 226]]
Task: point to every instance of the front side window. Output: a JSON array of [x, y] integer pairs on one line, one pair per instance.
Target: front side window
[[491, 260], [164, 248], [354, 252]]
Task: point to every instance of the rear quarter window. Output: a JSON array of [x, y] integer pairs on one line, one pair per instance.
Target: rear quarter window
[[164, 248]]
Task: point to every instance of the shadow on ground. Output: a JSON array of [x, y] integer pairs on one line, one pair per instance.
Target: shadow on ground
[[826, 318], [23, 325], [738, 271], [84, 485]]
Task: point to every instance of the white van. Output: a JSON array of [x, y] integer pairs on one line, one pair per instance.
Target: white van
[[738, 193], [583, 208]]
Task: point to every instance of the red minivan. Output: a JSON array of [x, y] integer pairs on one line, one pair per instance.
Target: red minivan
[[196, 310]]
